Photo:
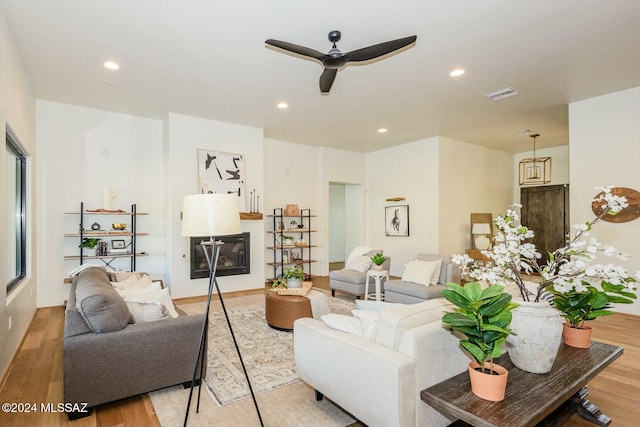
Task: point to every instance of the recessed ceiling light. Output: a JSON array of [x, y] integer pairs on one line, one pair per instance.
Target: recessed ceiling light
[[457, 72], [382, 130], [111, 65], [283, 105]]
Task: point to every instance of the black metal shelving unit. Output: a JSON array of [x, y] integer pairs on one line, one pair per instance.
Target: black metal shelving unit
[[283, 254]]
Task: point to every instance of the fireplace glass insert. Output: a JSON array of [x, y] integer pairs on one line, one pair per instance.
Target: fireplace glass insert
[[234, 256]]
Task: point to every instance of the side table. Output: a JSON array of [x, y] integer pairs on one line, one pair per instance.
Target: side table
[[377, 275]]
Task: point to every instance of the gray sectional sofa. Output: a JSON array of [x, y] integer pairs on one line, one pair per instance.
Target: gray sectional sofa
[[107, 358]]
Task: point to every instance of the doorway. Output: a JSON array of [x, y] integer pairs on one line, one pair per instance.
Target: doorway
[[346, 221], [545, 210]]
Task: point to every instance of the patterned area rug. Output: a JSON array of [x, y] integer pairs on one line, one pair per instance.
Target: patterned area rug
[[267, 353]]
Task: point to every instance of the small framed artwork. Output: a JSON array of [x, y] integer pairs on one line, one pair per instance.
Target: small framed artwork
[[396, 221], [118, 244]]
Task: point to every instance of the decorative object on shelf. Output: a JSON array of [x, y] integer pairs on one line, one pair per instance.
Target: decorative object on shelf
[[535, 170], [108, 194], [222, 173], [280, 226], [378, 259], [212, 215], [293, 224], [570, 276], [295, 256], [118, 226], [301, 226], [294, 276], [254, 204], [287, 240], [291, 210], [102, 249], [118, 244], [481, 232], [89, 242], [396, 220], [631, 212], [95, 226], [300, 243], [395, 199], [483, 316]]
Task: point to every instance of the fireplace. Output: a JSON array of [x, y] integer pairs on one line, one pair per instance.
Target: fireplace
[[234, 256]]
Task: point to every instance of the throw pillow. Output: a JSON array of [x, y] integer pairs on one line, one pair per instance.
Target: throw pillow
[[435, 277], [393, 322], [420, 272], [100, 306], [163, 296], [374, 305], [360, 263], [146, 311], [120, 276], [368, 322], [344, 323], [140, 289]]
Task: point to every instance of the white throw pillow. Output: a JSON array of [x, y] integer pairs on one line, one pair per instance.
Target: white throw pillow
[[360, 263], [421, 272], [393, 322], [374, 305], [162, 296], [140, 289], [368, 322], [146, 311], [436, 272], [344, 323]]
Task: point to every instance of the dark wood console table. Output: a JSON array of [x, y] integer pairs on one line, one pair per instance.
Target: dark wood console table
[[531, 399]]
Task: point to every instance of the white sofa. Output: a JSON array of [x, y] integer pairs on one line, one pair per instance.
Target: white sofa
[[379, 380]]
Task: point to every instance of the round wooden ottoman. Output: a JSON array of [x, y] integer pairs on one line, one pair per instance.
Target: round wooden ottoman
[[282, 310]]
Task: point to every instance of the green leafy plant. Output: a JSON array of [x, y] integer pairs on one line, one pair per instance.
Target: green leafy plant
[[588, 302], [483, 316], [294, 273], [280, 281], [89, 242], [378, 259]]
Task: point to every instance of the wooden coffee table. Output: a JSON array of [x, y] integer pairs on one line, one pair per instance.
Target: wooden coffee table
[[531, 399]]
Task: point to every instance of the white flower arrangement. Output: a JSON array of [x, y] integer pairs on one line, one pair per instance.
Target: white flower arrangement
[[570, 271]]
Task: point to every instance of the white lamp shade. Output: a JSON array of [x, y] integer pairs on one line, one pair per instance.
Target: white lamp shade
[[210, 215], [481, 228]]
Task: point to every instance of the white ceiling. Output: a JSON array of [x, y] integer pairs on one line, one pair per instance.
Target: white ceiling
[[207, 58]]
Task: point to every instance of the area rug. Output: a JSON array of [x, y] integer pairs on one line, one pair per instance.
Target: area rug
[[283, 399], [267, 353]]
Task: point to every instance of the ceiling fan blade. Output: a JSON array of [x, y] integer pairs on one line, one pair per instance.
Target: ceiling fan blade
[[326, 79], [377, 50], [300, 50]]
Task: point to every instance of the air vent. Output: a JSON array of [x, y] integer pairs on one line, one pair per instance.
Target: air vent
[[503, 93]]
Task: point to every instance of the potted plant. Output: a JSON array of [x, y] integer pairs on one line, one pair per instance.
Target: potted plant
[[378, 259], [287, 240], [89, 242], [293, 277], [483, 316], [513, 258], [587, 303], [278, 282]]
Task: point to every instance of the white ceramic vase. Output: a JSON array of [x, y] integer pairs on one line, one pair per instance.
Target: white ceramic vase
[[539, 334], [294, 283]]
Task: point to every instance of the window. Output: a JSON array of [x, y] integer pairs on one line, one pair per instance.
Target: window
[[16, 172]]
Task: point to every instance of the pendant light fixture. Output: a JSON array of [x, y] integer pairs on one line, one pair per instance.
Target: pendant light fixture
[[535, 170]]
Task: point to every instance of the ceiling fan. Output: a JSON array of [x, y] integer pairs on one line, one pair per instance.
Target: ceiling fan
[[335, 59]]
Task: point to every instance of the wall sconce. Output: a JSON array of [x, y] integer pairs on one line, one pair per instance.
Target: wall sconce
[[480, 232]]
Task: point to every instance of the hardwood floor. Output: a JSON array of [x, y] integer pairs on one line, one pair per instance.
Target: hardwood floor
[[35, 376]]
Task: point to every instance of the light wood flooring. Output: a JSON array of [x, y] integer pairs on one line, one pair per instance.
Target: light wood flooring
[[35, 375]]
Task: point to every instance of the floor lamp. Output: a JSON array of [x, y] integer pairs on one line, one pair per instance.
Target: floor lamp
[[211, 215]]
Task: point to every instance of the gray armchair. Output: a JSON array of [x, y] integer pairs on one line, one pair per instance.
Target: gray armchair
[[399, 291], [354, 282]]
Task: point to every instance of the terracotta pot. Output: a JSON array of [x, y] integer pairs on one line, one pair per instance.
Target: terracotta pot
[[487, 386], [576, 337], [378, 268]]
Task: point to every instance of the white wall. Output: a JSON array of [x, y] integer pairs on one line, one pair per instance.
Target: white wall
[[410, 171], [473, 179], [186, 135], [17, 111], [604, 147], [80, 151]]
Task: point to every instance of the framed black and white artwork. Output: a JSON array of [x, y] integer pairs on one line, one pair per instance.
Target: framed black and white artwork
[[396, 221], [224, 173]]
